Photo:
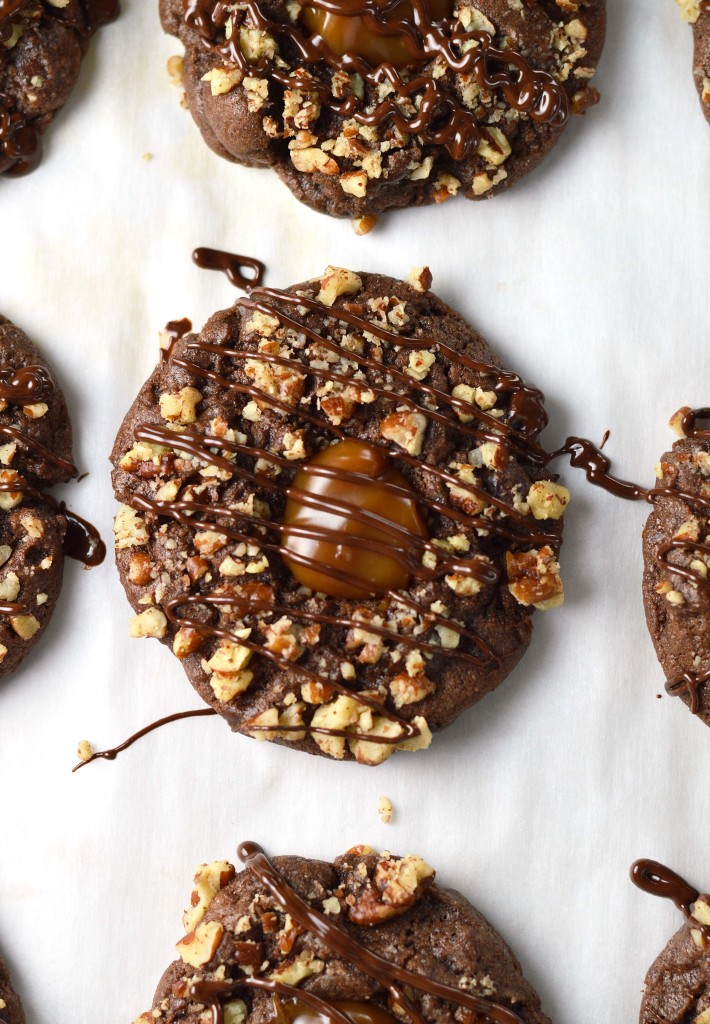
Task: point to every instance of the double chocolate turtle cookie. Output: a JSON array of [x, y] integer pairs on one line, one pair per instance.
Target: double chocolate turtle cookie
[[677, 988], [368, 939], [676, 548], [35, 453], [335, 511], [10, 1005], [42, 44], [697, 12], [361, 106]]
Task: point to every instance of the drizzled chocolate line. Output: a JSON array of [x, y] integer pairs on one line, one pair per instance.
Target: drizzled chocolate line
[[26, 386], [171, 334], [20, 138], [658, 880], [112, 754], [9, 9], [689, 684], [242, 271], [82, 541], [440, 118], [392, 977], [587, 456], [45, 453]]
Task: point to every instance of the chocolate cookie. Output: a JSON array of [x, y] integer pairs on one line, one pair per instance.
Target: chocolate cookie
[[35, 452], [453, 99], [10, 1005], [697, 12], [335, 511], [42, 44], [677, 989], [676, 550], [368, 939]]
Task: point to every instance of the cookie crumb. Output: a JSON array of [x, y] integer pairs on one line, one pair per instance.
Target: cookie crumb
[[176, 67], [384, 809], [147, 156]]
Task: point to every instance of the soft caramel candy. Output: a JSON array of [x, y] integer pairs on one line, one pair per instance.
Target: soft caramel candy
[[294, 1011], [376, 41], [326, 562]]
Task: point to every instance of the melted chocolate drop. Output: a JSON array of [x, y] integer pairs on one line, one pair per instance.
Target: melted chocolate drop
[[658, 880], [352, 523], [232, 265], [113, 752], [82, 541]]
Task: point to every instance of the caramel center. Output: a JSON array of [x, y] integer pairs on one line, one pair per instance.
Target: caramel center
[[376, 40], [352, 524], [293, 1011]]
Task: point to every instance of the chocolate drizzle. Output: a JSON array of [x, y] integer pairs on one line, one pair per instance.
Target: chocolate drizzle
[[10, 9], [242, 271], [171, 334], [112, 754], [20, 136], [439, 118], [658, 880], [394, 979], [586, 456], [26, 386]]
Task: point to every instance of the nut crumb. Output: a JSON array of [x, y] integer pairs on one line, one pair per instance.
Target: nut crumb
[[384, 809], [84, 751]]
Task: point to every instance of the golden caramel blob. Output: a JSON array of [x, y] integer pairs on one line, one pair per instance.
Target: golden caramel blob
[[326, 561], [377, 42], [293, 1011]]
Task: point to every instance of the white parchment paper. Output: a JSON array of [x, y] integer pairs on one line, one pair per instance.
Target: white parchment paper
[[591, 279]]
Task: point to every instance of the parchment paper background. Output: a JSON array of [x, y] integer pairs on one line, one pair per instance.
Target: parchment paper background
[[590, 278]]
